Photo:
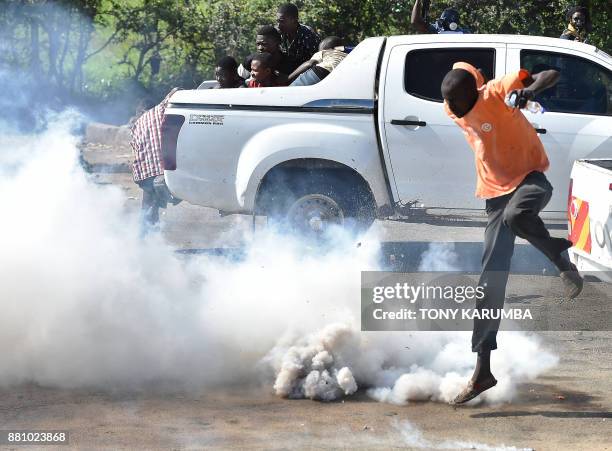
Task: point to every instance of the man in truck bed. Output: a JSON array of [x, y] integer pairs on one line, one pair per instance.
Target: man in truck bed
[[510, 161]]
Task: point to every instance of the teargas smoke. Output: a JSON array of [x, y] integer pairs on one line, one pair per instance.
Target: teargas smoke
[[415, 439], [87, 302]]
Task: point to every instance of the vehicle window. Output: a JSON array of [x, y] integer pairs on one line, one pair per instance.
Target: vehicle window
[[584, 87], [425, 69]]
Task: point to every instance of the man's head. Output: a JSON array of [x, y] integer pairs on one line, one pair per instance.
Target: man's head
[[330, 42], [261, 67], [268, 39], [449, 20], [579, 17], [287, 18], [226, 72], [459, 91]]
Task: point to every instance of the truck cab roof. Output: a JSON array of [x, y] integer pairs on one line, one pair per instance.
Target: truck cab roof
[[509, 39]]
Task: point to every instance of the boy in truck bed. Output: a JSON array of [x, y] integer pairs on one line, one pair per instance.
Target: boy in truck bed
[[262, 72]]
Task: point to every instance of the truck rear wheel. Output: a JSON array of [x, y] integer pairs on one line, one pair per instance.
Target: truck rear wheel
[[313, 212], [311, 205]]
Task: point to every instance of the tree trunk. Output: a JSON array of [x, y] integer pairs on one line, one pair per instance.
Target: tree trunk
[[62, 59], [85, 31], [35, 65]]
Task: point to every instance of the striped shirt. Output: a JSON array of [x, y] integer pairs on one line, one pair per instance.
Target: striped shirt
[[146, 142], [329, 59]]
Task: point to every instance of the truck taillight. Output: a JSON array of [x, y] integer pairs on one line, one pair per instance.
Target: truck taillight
[[169, 136], [569, 207]]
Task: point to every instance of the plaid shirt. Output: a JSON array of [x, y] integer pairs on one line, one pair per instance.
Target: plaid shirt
[[146, 143], [305, 44]]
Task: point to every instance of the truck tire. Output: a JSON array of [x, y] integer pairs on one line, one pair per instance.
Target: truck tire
[[310, 205]]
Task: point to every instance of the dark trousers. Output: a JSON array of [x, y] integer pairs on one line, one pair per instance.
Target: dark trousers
[[509, 216], [150, 204]]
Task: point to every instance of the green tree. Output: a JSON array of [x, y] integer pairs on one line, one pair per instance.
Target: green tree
[[48, 39]]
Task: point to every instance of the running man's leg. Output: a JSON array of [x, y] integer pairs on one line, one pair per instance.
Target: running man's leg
[[496, 259], [521, 215]]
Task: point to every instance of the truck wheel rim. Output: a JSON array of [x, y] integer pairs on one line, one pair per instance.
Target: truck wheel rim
[[314, 213]]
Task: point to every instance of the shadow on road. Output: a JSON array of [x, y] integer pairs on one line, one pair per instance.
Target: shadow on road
[[475, 219], [548, 414], [405, 256]]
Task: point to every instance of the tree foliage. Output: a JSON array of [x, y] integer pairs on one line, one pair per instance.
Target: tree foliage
[[49, 40]]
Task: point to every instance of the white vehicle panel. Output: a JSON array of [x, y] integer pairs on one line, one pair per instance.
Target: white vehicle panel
[[569, 136], [592, 198], [432, 163], [223, 169]]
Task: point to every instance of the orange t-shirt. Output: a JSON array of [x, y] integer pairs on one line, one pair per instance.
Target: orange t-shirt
[[506, 146]]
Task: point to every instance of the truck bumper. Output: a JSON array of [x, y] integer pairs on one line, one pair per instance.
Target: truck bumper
[[589, 266], [208, 193]]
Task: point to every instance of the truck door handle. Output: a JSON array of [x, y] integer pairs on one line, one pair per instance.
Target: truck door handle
[[405, 122], [539, 130]]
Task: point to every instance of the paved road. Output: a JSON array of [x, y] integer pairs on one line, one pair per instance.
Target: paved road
[[569, 407]]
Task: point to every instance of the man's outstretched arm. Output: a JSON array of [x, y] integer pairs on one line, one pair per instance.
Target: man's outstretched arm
[[542, 80], [536, 83], [417, 17]]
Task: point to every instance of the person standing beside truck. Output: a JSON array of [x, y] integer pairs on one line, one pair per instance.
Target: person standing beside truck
[[299, 42], [147, 168], [510, 164]]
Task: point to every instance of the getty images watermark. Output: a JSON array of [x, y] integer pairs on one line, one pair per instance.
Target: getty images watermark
[[448, 301]]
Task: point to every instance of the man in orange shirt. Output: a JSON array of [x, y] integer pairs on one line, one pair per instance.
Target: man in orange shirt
[[510, 164]]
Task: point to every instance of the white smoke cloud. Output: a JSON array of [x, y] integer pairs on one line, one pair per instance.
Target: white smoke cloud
[[87, 302], [414, 438], [439, 257]]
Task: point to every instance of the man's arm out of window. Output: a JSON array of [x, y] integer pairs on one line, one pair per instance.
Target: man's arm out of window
[[534, 84], [416, 20], [542, 80]]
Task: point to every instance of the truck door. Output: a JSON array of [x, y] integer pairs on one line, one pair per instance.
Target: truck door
[[578, 117], [429, 157]]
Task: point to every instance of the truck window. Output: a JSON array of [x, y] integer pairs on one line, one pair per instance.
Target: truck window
[[426, 68], [584, 87]]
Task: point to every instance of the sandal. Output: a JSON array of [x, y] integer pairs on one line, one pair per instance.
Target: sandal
[[473, 389]]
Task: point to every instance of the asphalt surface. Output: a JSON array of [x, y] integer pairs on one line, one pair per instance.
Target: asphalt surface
[[567, 408]]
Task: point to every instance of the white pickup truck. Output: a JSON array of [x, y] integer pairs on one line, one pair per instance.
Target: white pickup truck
[[372, 138], [590, 217]]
